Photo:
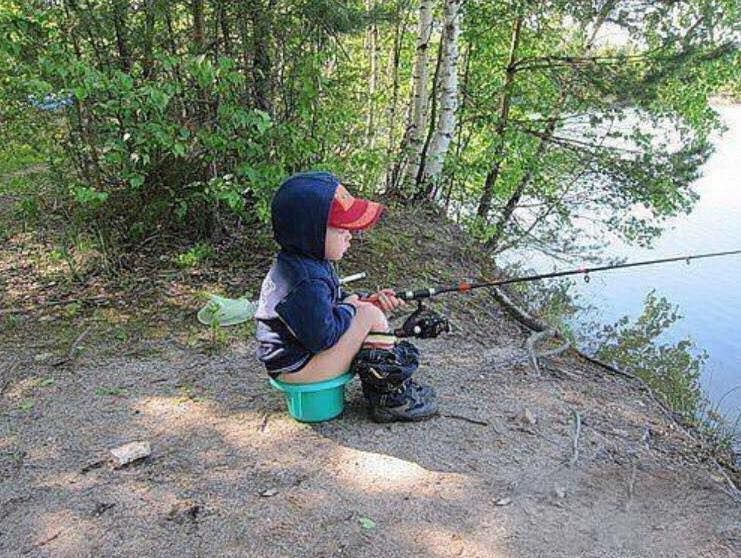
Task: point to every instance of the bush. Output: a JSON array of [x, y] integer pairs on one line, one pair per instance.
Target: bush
[[178, 143]]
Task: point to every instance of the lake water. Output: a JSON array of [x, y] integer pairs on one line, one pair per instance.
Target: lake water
[[707, 291]]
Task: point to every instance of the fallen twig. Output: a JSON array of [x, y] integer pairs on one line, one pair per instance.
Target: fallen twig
[[72, 353], [534, 338], [467, 419], [559, 370], [94, 465], [631, 484], [74, 347], [575, 443], [42, 543], [646, 437], [264, 422]]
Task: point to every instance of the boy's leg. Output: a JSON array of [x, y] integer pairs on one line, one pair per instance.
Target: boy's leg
[[337, 359], [388, 386]]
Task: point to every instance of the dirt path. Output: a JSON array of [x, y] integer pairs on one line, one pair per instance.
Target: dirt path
[[231, 474]]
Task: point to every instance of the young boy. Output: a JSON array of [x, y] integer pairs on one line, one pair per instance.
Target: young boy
[[310, 330]]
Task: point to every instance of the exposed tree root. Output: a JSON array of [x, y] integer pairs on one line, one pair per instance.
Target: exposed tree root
[[538, 336]]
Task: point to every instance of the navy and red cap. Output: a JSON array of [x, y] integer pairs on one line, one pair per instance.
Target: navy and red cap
[[353, 214]]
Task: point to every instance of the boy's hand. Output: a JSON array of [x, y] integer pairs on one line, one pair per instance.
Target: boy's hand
[[353, 299], [385, 299]]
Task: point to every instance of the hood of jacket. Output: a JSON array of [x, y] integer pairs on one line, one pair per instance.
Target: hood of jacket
[[300, 211]]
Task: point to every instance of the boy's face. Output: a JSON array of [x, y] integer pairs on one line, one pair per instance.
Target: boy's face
[[336, 243]]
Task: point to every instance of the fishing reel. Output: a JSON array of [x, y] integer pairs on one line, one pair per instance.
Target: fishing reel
[[423, 323]]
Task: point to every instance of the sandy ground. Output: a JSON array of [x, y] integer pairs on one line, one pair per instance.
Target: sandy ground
[[499, 473]]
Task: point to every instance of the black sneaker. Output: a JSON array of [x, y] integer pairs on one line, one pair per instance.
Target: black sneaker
[[412, 402], [428, 392]]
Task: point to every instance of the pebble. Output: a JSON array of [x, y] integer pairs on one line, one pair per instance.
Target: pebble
[[528, 417], [42, 357]]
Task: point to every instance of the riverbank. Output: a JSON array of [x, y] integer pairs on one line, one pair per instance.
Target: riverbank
[[572, 461]]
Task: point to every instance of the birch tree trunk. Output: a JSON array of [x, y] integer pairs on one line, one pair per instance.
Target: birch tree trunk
[[443, 133], [417, 125], [419, 192], [461, 142]]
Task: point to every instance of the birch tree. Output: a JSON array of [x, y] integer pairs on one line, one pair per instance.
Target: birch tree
[[443, 133], [420, 98]]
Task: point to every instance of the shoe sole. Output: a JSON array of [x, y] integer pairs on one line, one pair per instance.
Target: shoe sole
[[395, 418]]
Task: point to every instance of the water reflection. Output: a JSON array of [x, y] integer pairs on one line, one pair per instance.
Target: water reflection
[[707, 291]]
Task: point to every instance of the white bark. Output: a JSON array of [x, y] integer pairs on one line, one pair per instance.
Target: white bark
[[421, 78], [443, 134]]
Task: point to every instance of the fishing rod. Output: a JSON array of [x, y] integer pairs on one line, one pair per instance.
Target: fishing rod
[[427, 323], [465, 286]]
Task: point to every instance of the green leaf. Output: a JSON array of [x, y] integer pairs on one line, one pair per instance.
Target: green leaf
[[179, 149], [367, 523], [26, 405], [89, 196], [136, 181], [80, 93]]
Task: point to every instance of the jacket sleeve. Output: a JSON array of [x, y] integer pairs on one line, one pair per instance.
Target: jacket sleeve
[[313, 317]]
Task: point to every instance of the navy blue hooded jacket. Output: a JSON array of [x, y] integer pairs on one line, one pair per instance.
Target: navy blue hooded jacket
[[300, 311]]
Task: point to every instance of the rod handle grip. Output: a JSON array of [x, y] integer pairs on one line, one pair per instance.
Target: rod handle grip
[[415, 295]]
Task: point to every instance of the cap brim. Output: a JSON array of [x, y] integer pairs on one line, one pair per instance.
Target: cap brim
[[366, 220]]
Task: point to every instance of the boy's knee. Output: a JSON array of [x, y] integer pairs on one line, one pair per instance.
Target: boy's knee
[[375, 317]]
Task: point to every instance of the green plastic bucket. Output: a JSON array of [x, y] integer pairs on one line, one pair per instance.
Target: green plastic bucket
[[315, 402]]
